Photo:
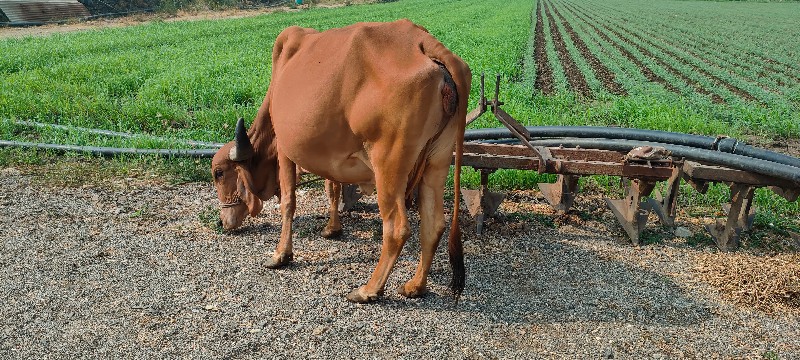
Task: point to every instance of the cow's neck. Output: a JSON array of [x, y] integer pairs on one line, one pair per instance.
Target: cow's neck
[[265, 159]]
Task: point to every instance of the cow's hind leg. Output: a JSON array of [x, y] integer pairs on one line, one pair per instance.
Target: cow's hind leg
[[396, 230], [334, 227], [288, 183], [431, 213]]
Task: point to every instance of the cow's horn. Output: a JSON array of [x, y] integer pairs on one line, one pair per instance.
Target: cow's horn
[[242, 149]]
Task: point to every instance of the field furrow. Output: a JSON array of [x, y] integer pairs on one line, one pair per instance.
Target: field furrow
[[643, 68], [649, 54], [726, 67], [574, 75], [600, 70], [544, 74], [696, 64], [704, 37], [711, 56]]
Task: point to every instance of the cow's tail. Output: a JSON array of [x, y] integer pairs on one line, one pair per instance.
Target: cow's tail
[[462, 76]]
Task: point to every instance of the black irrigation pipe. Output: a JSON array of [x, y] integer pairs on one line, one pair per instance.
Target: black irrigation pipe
[[118, 134], [733, 161], [113, 151], [720, 144], [110, 151], [693, 147]]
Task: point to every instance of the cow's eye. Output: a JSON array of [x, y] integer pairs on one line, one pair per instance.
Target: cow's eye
[[218, 174]]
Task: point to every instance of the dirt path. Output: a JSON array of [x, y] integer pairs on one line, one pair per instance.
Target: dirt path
[[105, 23], [126, 267], [137, 19]]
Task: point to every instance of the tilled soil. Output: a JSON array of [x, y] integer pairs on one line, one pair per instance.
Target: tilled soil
[[544, 74], [759, 60], [698, 88], [646, 71], [601, 71], [574, 75], [134, 269], [673, 55]]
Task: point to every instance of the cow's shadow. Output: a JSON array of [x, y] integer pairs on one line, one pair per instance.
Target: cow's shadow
[[541, 281], [536, 276], [529, 280]]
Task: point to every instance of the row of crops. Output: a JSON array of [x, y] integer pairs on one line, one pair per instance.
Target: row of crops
[[745, 75], [682, 62]]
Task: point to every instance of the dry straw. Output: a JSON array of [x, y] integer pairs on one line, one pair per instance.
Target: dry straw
[[769, 283]]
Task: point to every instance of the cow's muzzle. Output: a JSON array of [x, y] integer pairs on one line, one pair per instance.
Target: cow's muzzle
[[232, 214]]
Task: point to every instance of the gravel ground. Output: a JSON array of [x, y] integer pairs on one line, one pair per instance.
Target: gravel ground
[[130, 269]]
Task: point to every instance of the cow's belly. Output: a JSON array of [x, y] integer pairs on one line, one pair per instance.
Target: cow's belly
[[316, 132], [353, 169], [342, 162], [346, 168]]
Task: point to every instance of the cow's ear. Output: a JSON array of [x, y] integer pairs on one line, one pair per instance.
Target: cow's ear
[[242, 148], [245, 183]]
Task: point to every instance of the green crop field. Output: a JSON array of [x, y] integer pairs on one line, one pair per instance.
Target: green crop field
[[193, 79], [686, 66]]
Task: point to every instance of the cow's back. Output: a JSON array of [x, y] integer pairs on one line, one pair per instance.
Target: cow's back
[[338, 63], [335, 91], [374, 48]]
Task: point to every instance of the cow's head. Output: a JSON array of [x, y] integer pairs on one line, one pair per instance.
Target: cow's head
[[232, 170]]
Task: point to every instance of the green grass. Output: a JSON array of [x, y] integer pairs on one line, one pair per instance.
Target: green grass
[[72, 170], [193, 79], [209, 217]]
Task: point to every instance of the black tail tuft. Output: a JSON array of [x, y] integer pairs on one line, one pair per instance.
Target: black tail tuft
[[456, 252]]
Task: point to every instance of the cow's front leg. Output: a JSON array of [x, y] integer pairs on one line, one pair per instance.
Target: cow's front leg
[[334, 191], [287, 176], [396, 230]]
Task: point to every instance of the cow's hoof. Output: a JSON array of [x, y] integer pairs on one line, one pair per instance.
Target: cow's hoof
[[360, 296], [412, 291], [279, 261], [329, 233]]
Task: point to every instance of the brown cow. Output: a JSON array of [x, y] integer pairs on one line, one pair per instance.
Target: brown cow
[[370, 103]]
